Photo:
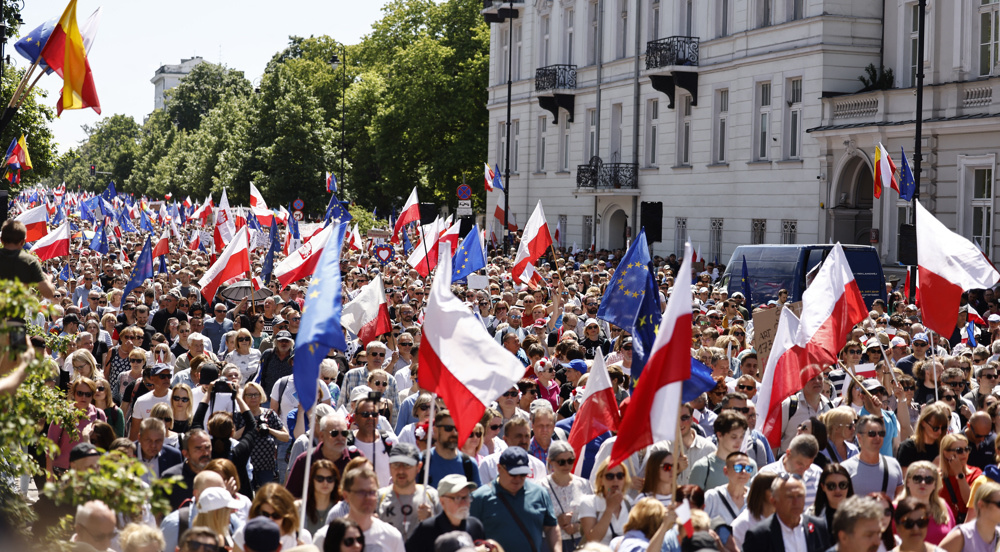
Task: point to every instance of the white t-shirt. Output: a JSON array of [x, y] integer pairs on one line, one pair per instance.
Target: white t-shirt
[[488, 468], [382, 537], [593, 506], [375, 453], [144, 405], [223, 403], [290, 398]]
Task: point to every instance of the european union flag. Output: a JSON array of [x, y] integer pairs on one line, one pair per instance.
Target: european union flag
[[469, 256], [144, 224], [701, 380], [497, 181], [632, 301], [163, 265], [907, 185], [91, 208], [110, 193], [334, 210], [275, 246], [407, 246], [124, 222], [30, 46], [66, 273], [253, 223], [143, 268], [746, 283], [320, 330], [60, 215], [293, 227], [100, 242]]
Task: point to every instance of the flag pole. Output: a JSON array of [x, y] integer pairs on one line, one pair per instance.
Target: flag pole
[[427, 259], [8, 114], [933, 364], [305, 477], [676, 455], [430, 425]]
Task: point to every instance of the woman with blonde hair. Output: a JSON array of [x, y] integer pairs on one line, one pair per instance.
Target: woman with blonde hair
[[925, 442], [956, 473], [274, 501], [136, 360], [604, 514], [182, 407], [81, 363], [980, 534], [492, 422], [215, 505], [81, 393], [647, 527], [118, 360], [840, 429], [269, 431], [138, 537], [244, 355], [161, 355], [923, 482], [102, 400], [474, 444], [163, 412]]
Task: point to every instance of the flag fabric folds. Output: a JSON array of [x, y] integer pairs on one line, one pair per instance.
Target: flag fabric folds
[[35, 221], [302, 261], [632, 302], [534, 241], [489, 176], [100, 242], [469, 257], [907, 184], [142, 270], [54, 244], [410, 213], [233, 262], [458, 359], [655, 405], [66, 53], [885, 171], [781, 377], [367, 315], [320, 329], [948, 264], [598, 411], [331, 183], [274, 246], [831, 306]]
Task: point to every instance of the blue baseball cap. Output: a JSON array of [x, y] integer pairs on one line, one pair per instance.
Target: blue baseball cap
[[579, 365], [920, 337], [515, 461]]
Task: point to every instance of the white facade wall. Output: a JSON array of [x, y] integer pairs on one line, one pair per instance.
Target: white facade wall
[[827, 49], [169, 76]]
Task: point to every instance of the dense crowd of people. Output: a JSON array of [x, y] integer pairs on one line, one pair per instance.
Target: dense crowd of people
[[202, 389]]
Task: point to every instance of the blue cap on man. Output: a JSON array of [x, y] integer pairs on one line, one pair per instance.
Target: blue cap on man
[[515, 461]]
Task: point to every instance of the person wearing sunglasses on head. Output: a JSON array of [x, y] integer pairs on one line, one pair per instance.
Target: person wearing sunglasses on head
[[729, 500]]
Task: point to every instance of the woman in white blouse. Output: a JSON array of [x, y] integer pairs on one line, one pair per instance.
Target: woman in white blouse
[[246, 358], [603, 515], [566, 491], [758, 507]]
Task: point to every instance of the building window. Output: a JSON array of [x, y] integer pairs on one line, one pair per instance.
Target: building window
[[758, 231], [502, 142], [542, 127], [617, 132], [652, 121], [795, 119], [689, 18], [915, 42], [797, 10], [680, 236], [764, 13], [570, 16], [684, 131], [763, 121], [515, 131], [989, 36], [623, 29], [592, 34], [588, 231], [591, 134], [562, 231], [982, 208], [502, 74], [518, 44], [789, 229], [565, 141], [721, 124], [724, 17], [654, 14], [543, 58], [715, 240]]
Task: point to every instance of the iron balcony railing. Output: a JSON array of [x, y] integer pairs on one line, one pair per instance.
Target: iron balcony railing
[[674, 50], [607, 176], [555, 77]]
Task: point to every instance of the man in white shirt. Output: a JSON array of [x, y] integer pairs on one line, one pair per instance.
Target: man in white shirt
[[369, 442], [798, 461], [360, 490], [516, 434], [161, 374]]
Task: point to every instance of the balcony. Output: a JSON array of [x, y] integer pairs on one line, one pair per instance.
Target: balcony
[[497, 11], [554, 87], [673, 62], [608, 178]]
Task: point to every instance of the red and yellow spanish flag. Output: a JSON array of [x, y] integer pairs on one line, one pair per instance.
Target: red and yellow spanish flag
[[65, 53], [885, 171]]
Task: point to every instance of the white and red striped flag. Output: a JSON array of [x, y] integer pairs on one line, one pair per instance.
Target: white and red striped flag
[[410, 213], [534, 241], [367, 315], [597, 413]]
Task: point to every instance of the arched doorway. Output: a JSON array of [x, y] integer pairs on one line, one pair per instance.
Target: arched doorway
[[852, 212], [617, 225]]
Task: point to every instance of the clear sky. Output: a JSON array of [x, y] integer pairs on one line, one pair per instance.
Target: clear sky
[[138, 36]]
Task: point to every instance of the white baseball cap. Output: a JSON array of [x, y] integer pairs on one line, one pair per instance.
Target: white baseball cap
[[215, 498]]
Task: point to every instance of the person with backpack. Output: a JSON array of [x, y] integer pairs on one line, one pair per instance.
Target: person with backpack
[[446, 459], [175, 523], [801, 406]]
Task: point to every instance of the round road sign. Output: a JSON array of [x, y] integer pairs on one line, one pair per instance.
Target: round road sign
[[464, 191], [297, 215], [298, 204]]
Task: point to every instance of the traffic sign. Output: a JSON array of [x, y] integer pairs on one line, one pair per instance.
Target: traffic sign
[[297, 215], [464, 208], [298, 204], [464, 192]]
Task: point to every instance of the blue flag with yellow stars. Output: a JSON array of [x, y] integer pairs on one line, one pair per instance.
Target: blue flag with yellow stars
[[144, 224], [632, 301], [274, 246], [468, 257], [320, 329], [746, 283], [143, 268], [100, 242], [66, 273], [31, 45]]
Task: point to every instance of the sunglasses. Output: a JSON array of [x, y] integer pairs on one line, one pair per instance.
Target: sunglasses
[[251, 395], [195, 546], [325, 479], [101, 389], [872, 433], [510, 394], [243, 339], [180, 399], [667, 467], [612, 476], [743, 410], [380, 383], [425, 408], [923, 479], [685, 417], [910, 523], [273, 515], [495, 427], [854, 351], [84, 394], [746, 387], [743, 468], [989, 376], [367, 414], [167, 420], [740, 334], [446, 428], [831, 486], [960, 450], [340, 433], [909, 388], [627, 348], [351, 541], [933, 428], [565, 461], [136, 361], [377, 354]]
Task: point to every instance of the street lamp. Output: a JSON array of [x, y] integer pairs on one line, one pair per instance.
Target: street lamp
[[334, 62]]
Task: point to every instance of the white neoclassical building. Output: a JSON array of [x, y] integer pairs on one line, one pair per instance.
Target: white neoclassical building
[[740, 121], [169, 76]]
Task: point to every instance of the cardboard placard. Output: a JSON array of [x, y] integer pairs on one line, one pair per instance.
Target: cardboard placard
[[765, 325], [477, 281]]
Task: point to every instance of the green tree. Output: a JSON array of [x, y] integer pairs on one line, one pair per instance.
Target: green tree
[[155, 141], [201, 90], [111, 146]]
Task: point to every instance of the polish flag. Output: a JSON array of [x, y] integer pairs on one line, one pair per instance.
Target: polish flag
[[781, 377], [832, 305], [232, 263], [302, 262], [556, 237], [162, 247], [256, 199], [459, 360], [54, 244], [489, 178], [35, 222], [948, 264], [450, 236], [906, 286], [597, 414], [424, 259], [367, 315], [168, 196], [187, 202], [410, 213], [683, 513], [195, 241], [975, 317], [282, 215], [355, 241], [535, 240], [531, 277], [498, 214], [656, 403]]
